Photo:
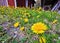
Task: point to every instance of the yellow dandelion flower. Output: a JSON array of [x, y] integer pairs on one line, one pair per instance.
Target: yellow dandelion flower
[[16, 24], [22, 28], [40, 8], [42, 40], [55, 21], [39, 28], [26, 20]]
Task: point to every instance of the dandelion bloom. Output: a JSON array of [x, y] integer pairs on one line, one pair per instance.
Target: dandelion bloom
[[55, 21], [22, 28], [16, 24], [42, 40], [26, 20], [39, 28], [40, 8]]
